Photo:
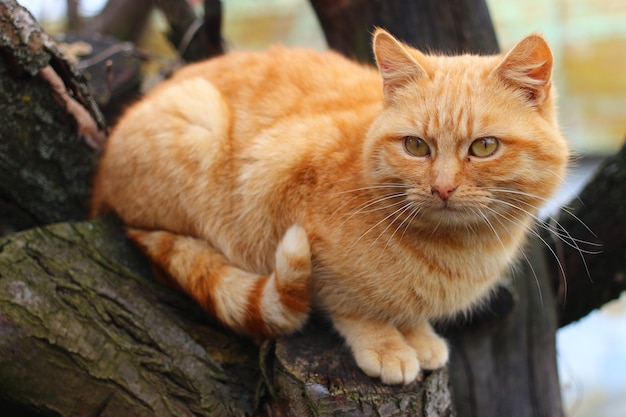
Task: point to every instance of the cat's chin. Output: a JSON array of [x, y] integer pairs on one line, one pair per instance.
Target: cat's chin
[[453, 217]]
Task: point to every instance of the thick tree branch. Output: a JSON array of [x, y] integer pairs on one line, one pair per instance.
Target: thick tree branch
[[187, 32], [75, 307], [45, 166], [591, 248]]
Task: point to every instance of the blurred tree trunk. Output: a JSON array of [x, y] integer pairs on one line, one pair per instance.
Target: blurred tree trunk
[[77, 303], [121, 19], [73, 16], [449, 26], [194, 38]]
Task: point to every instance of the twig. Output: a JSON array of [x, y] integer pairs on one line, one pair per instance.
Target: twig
[[87, 126]]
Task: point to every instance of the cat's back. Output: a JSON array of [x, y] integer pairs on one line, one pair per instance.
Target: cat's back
[[282, 82], [241, 126]]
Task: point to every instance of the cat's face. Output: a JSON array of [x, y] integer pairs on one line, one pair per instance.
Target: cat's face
[[467, 139]]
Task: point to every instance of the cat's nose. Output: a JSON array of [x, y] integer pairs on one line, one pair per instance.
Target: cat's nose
[[443, 191]]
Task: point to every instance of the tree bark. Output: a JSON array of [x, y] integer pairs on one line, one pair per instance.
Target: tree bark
[[588, 260], [76, 306], [50, 127], [314, 375]]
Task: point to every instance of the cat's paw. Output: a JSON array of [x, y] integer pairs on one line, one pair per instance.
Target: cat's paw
[[432, 350], [393, 363]]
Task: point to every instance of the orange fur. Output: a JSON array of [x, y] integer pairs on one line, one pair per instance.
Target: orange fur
[[263, 181]]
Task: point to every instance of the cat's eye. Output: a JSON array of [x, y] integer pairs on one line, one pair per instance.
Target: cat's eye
[[484, 147], [416, 146]]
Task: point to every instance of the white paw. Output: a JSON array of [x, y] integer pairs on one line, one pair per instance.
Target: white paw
[[394, 363], [432, 350]]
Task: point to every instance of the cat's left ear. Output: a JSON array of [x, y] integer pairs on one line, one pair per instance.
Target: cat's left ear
[[528, 66], [396, 65]]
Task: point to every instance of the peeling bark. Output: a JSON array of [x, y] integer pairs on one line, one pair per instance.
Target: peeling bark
[[45, 162]]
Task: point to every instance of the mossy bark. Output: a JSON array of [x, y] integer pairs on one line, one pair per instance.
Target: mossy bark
[[85, 328]]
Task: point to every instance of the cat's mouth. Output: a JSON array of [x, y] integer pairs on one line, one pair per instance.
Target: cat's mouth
[[451, 213]]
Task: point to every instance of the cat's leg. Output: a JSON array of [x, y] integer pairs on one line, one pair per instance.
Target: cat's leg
[[379, 349], [253, 304], [432, 350]]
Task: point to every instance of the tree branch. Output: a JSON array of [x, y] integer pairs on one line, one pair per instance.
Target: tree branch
[[76, 307], [187, 33], [45, 169], [591, 247]]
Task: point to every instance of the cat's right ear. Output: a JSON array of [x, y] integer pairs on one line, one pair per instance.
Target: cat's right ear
[[396, 65], [528, 67]]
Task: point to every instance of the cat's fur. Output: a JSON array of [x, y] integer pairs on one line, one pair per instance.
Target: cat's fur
[[265, 183]]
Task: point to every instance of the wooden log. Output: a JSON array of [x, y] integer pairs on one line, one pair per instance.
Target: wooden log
[[86, 331]]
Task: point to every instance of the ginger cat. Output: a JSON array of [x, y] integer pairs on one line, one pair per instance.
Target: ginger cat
[[264, 184]]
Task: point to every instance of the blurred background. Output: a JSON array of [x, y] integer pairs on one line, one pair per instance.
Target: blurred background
[[588, 38]]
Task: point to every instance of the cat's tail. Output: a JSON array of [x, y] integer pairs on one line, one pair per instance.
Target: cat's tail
[[261, 306]]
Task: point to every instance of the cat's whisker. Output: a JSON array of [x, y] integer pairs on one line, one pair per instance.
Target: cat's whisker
[[361, 209], [390, 238], [544, 200], [557, 230], [560, 234], [414, 213], [538, 236], [364, 207], [381, 186], [406, 222], [563, 236], [381, 221], [490, 225], [530, 265]]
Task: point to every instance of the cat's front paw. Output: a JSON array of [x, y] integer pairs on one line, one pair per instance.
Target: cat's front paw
[[393, 363], [380, 350], [432, 350]]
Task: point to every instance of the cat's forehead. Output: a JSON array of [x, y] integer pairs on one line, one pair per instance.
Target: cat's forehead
[[458, 99], [460, 70]]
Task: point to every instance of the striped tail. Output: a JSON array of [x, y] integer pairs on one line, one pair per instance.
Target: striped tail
[[261, 306]]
